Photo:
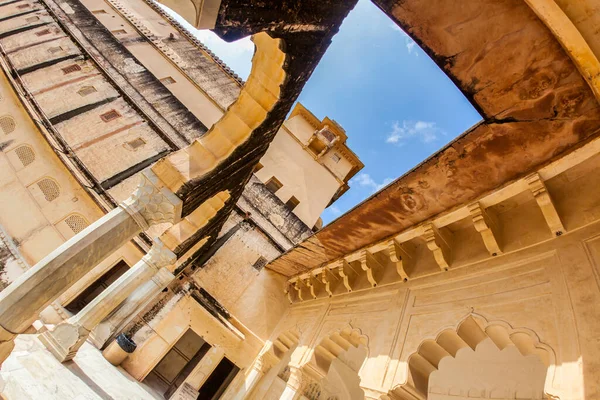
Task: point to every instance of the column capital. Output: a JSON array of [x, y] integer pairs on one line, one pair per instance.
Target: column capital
[[152, 202], [159, 256], [296, 378]]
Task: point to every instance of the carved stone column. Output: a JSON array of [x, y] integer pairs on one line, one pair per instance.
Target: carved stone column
[[130, 307], [258, 370], [66, 339], [293, 385], [23, 300]]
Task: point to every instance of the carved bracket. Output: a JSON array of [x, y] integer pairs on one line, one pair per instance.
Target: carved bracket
[[438, 245], [540, 192], [486, 227]]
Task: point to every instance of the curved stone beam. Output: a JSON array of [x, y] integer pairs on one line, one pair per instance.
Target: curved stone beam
[[571, 39], [257, 99]]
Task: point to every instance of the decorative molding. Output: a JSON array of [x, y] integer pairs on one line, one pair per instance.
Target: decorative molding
[[159, 256], [152, 203]]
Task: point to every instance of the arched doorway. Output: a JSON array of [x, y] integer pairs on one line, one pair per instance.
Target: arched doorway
[[332, 373], [479, 359]]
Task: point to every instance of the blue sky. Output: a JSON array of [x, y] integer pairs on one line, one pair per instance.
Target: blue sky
[[395, 104]]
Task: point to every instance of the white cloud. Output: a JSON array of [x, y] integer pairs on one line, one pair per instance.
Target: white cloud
[[237, 55], [410, 44], [365, 180], [426, 132], [334, 210]]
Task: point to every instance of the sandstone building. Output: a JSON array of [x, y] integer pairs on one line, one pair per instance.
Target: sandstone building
[[148, 191]]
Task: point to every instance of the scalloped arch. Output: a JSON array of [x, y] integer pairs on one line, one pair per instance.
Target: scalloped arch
[[338, 344], [469, 332]]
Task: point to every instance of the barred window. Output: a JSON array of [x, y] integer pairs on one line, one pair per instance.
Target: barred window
[[76, 222], [110, 115], [49, 188], [86, 90], [135, 144], [336, 157], [71, 69], [43, 33], [259, 263], [25, 154], [7, 124]]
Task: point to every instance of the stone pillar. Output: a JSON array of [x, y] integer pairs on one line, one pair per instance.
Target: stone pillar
[[67, 337], [293, 385], [202, 371], [23, 300], [130, 307], [258, 370]]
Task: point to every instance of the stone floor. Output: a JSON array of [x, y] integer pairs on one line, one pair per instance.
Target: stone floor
[[31, 372]]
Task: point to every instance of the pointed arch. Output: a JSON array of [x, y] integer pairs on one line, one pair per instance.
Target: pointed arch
[[469, 333]]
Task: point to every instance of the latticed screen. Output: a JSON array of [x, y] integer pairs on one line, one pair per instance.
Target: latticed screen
[[86, 90], [259, 263], [7, 125], [71, 68], [25, 154], [76, 222], [49, 188]]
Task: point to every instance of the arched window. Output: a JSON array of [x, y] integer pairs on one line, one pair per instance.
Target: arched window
[[49, 188], [25, 155], [7, 124]]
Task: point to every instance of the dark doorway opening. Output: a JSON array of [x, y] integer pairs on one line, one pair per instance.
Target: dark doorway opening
[[177, 364], [218, 381], [92, 291]]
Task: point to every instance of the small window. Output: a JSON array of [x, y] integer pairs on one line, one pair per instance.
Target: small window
[[86, 91], [32, 19], [49, 188], [336, 157], [167, 81], [7, 125], [76, 222], [22, 6], [110, 115], [135, 144], [71, 68], [259, 263], [99, 12], [25, 154], [54, 50], [292, 203], [273, 185], [257, 167], [119, 32], [43, 33]]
